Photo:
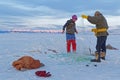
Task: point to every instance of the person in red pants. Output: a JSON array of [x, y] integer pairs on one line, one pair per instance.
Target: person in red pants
[[70, 27]]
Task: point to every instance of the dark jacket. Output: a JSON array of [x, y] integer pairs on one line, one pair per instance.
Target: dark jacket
[[70, 27], [100, 22]]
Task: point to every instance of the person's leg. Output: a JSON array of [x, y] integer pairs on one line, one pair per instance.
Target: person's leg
[[104, 38], [74, 45], [68, 46], [68, 43], [98, 49], [103, 47], [98, 45]]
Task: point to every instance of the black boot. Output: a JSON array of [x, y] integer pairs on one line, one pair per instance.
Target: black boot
[[95, 60], [103, 58]]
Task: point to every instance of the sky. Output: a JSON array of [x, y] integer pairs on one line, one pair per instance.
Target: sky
[[38, 13]]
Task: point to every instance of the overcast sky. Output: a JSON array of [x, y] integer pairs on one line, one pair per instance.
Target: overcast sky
[[34, 13]]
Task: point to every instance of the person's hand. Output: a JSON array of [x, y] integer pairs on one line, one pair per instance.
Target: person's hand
[[63, 31], [84, 16], [76, 32], [94, 30]]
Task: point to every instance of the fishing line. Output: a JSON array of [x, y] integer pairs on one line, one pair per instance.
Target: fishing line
[[84, 38]]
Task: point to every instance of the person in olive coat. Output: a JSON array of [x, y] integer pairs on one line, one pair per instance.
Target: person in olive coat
[[100, 32]]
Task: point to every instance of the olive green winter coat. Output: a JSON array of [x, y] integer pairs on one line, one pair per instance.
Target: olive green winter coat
[[100, 22]]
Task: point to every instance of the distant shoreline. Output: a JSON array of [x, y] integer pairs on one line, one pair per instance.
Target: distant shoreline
[[31, 31]]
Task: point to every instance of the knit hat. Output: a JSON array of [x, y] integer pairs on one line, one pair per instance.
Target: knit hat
[[74, 17]]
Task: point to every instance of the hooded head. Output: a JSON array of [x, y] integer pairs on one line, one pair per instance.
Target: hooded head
[[97, 13], [74, 17]]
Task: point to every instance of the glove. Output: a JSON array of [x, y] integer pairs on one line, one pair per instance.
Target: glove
[[84, 16], [43, 74], [94, 30]]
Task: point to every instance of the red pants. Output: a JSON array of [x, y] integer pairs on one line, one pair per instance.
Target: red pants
[[69, 43]]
